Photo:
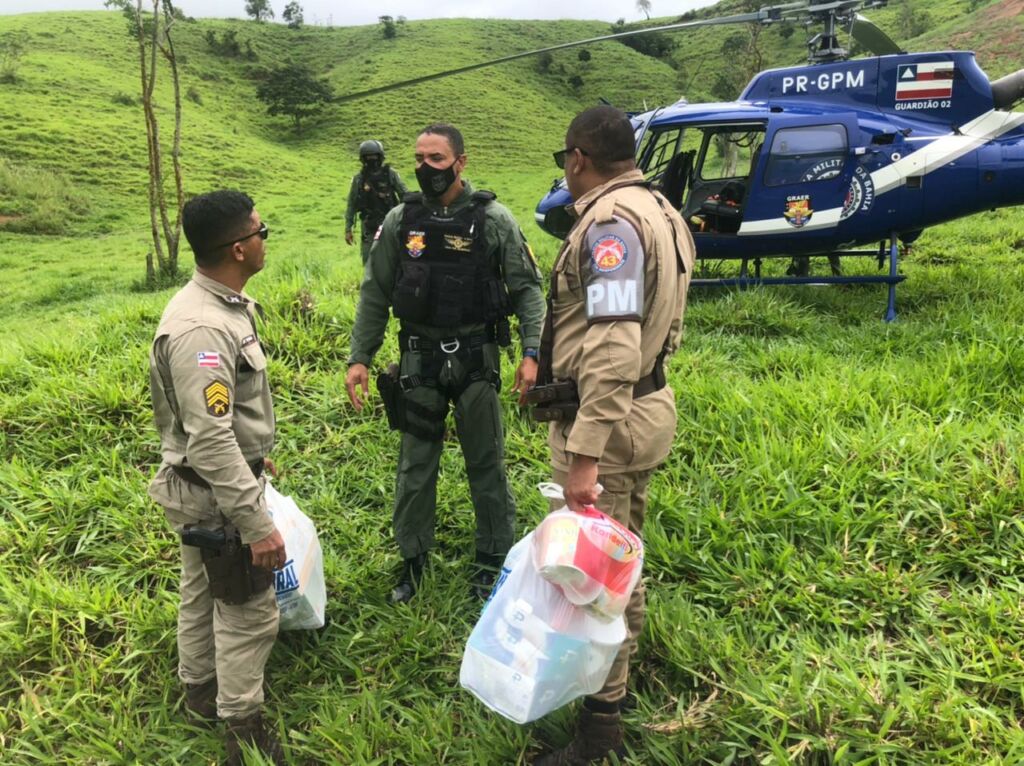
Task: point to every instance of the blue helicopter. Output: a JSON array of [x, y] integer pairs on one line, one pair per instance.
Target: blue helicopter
[[826, 158]]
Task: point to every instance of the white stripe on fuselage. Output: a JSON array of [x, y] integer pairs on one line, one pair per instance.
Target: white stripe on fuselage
[[940, 152]]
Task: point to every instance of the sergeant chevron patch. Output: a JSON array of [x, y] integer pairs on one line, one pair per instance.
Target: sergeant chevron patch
[[218, 399]]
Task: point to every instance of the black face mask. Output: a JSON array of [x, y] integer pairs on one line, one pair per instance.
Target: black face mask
[[435, 181], [371, 163]]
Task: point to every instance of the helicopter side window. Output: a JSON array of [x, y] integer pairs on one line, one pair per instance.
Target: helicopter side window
[[726, 162], [805, 155]]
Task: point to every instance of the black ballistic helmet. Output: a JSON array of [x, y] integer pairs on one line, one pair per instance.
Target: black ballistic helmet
[[369, 148]]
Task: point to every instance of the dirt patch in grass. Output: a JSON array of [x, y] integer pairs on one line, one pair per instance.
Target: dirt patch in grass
[[1008, 10], [990, 36], [6, 219]]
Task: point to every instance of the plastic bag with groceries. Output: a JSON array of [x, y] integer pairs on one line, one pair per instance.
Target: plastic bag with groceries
[[592, 558], [553, 623]]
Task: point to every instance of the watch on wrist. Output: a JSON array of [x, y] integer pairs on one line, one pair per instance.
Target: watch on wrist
[[530, 352]]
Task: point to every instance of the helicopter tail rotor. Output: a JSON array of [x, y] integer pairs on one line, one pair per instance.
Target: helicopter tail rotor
[[1006, 91]]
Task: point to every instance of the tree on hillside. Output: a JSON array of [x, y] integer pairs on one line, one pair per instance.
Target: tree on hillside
[[644, 6], [292, 90], [912, 21], [12, 48], [260, 10], [151, 32], [388, 27], [292, 14]]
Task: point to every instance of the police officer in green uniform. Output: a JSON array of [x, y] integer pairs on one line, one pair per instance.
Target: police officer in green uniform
[[375, 190], [452, 264], [211, 402]]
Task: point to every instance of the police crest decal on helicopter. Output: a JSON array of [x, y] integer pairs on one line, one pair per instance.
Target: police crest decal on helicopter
[[911, 128]]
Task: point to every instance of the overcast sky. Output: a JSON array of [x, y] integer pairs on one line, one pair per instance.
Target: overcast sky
[[348, 12]]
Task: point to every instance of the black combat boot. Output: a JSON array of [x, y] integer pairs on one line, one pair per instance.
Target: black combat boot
[[201, 701], [485, 571], [599, 736], [254, 733], [412, 573]]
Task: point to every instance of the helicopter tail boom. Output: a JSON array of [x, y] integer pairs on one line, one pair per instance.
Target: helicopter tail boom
[[1008, 90]]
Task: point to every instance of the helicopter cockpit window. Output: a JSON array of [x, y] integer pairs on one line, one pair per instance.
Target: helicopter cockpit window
[[806, 155], [657, 151]]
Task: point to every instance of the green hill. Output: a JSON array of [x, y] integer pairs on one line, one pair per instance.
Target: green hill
[[833, 551]]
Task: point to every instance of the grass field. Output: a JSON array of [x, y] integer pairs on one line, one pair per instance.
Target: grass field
[[835, 548]]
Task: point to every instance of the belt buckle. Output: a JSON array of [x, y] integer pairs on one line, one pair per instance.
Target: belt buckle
[[450, 346], [412, 343]]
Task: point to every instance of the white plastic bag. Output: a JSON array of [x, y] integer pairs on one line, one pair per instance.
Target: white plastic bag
[[532, 651], [301, 591], [594, 559]]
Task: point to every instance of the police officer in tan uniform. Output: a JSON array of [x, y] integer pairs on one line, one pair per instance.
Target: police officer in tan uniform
[[212, 405], [617, 296]]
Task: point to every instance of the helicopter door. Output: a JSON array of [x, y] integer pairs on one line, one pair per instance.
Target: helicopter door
[[805, 178], [724, 166]]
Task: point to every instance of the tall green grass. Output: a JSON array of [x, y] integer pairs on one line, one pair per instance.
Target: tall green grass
[[833, 549]]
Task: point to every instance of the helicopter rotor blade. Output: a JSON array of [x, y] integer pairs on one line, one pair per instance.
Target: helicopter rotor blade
[[764, 15], [873, 38]]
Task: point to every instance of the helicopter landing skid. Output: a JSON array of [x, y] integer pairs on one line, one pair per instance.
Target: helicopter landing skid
[[893, 278]]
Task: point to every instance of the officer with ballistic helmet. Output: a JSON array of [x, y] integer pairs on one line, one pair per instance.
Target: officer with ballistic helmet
[[452, 264], [376, 188]]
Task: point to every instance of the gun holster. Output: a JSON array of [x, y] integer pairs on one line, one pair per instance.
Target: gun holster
[[391, 394], [554, 401], [231, 575]]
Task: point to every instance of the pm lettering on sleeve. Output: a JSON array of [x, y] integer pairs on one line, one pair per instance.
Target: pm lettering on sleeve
[[614, 273]]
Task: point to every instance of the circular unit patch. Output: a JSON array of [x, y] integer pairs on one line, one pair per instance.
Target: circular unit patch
[[608, 254]]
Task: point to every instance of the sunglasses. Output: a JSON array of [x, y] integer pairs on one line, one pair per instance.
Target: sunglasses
[[560, 155], [262, 232]]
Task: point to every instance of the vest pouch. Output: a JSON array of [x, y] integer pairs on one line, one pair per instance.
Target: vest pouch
[[411, 297], [497, 304], [453, 292]]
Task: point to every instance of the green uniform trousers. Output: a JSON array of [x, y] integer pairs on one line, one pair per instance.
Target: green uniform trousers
[[624, 499], [479, 428], [367, 231], [231, 642]]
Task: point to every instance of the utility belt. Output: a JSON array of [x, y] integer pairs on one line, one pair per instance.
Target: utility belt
[[187, 473], [427, 423], [230, 573], [561, 400]]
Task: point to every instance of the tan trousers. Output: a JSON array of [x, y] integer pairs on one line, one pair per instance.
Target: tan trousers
[[625, 500], [231, 642]]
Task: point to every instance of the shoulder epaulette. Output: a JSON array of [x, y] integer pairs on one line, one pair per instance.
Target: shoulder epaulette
[[483, 196], [414, 198]]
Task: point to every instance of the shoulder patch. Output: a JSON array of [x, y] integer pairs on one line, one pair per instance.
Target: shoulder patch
[[248, 340], [208, 359], [608, 254], [376, 234], [614, 273], [218, 399]]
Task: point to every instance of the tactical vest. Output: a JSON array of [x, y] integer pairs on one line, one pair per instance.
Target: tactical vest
[[376, 195], [445, 277]]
